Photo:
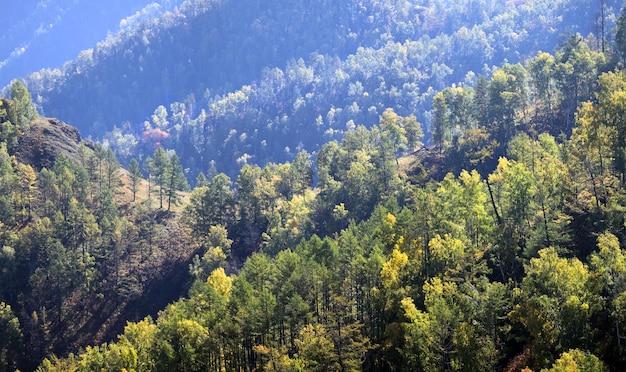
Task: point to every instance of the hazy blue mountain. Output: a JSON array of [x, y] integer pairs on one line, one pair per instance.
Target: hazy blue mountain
[[231, 82], [43, 33]]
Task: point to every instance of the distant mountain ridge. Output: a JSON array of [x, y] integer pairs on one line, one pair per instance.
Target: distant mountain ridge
[[44, 34], [232, 82], [221, 45]]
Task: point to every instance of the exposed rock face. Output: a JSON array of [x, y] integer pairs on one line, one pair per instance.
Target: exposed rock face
[[46, 140]]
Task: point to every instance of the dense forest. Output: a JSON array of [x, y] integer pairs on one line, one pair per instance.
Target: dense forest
[[479, 225]]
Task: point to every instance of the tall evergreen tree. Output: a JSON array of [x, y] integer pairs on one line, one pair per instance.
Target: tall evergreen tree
[[176, 182], [160, 170], [620, 34], [23, 105], [11, 347], [135, 177], [7, 180]]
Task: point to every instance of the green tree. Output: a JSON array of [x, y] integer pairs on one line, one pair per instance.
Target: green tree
[[541, 70], [590, 149], [52, 281], [189, 341], [508, 97], [216, 245], [611, 105], [393, 133], [8, 127], [113, 356], [143, 338], [543, 159], [257, 197], [301, 172], [160, 171], [620, 34], [80, 229], [24, 192], [48, 188], [23, 105], [135, 177], [70, 182], [175, 183], [480, 104], [288, 222], [576, 74], [444, 338], [151, 170], [514, 188], [11, 345], [445, 255], [254, 304], [8, 270], [441, 121], [7, 183], [316, 349], [201, 180], [577, 360], [555, 303], [609, 262], [111, 170], [210, 205]]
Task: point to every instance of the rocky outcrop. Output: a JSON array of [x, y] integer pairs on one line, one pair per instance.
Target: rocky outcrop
[[46, 140]]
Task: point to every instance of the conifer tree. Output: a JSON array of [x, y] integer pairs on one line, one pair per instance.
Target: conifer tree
[[620, 35], [135, 177], [24, 108], [176, 182], [7, 180], [11, 347], [160, 170]]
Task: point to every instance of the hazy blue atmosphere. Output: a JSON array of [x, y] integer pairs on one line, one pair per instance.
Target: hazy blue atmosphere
[[47, 33], [227, 82]]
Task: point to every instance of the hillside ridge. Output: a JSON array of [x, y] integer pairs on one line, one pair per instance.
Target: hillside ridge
[[46, 140]]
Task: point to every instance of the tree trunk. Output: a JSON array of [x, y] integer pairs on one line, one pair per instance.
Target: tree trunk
[[545, 223], [493, 202]]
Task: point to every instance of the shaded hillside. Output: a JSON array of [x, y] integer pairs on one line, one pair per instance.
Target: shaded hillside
[[162, 280], [85, 246]]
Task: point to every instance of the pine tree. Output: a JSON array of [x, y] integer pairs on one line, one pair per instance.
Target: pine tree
[[160, 170], [7, 181], [620, 35], [135, 177], [23, 105], [176, 182]]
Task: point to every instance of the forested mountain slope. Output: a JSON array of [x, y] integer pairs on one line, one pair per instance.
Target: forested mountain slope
[[516, 266], [499, 247], [236, 81], [84, 244], [42, 33]]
